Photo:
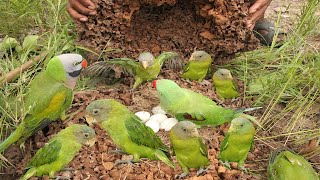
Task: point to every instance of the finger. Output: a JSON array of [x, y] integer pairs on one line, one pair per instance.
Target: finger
[[88, 3], [77, 6], [258, 5], [75, 15], [255, 17]]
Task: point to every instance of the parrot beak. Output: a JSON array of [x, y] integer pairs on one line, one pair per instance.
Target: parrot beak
[[231, 128], [91, 142], [145, 64], [195, 133], [90, 120], [191, 58], [84, 63], [154, 84], [230, 77]]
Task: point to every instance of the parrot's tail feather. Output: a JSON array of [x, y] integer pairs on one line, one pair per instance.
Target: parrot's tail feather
[[241, 110], [31, 172], [161, 156], [14, 137]]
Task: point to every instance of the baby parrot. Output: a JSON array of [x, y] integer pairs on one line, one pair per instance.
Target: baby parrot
[[188, 147], [50, 94], [285, 165], [223, 82], [197, 66], [60, 150], [147, 69], [237, 142], [127, 130], [185, 104]]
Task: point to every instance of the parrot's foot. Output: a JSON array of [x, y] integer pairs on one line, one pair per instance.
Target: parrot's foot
[[61, 177], [242, 168], [118, 151], [205, 83], [226, 164], [201, 171], [181, 176], [22, 147], [129, 161]]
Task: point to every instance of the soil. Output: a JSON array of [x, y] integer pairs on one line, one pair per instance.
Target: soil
[[98, 162], [169, 25]]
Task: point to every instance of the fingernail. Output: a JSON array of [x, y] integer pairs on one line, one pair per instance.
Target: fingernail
[[91, 7], [83, 19], [93, 13]]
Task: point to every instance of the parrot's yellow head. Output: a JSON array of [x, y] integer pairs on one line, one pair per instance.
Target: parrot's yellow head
[[223, 74], [146, 59], [200, 56], [98, 111], [185, 130], [240, 125], [84, 134]]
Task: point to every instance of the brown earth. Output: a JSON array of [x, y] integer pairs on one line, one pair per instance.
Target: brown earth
[[169, 25]]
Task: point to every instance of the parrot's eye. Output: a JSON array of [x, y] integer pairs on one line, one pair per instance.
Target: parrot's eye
[[95, 111], [86, 135], [76, 63], [242, 125], [184, 130]]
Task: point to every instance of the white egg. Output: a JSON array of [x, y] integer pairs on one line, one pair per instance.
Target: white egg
[[168, 124], [154, 125], [143, 115], [158, 117], [158, 110]]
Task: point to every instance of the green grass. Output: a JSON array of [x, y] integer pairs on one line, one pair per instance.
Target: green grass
[[286, 82]]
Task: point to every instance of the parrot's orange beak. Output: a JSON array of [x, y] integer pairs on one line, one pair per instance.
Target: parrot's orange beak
[[154, 84], [91, 142], [145, 64], [230, 77], [84, 63], [195, 133], [90, 120]]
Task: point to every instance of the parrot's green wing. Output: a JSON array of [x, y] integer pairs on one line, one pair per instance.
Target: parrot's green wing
[[103, 68], [143, 135], [46, 155], [224, 143], [203, 148], [235, 86], [171, 59], [186, 67]]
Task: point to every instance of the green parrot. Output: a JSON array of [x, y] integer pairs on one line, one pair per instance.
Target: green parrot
[[225, 86], [237, 142], [197, 66], [285, 165], [50, 94], [60, 150], [147, 69], [188, 147], [127, 131], [185, 104]]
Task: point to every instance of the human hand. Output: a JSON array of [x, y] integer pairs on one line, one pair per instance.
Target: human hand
[[256, 12], [80, 9]]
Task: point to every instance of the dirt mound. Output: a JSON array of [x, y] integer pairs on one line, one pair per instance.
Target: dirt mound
[[169, 25]]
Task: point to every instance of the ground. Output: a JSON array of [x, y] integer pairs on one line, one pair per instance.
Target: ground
[[97, 162]]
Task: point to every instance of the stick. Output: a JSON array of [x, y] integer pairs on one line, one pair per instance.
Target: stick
[[14, 73]]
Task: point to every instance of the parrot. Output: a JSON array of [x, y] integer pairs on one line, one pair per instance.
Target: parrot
[[50, 94], [147, 69], [185, 104], [188, 147], [60, 150], [286, 165], [127, 131], [225, 86], [197, 66], [237, 142]]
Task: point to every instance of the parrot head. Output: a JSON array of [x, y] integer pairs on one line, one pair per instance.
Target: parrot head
[[223, 74], [199, 56], [98, 111], [185, 129], [146, 59], [240, 124], [84, 134], [66, 68]]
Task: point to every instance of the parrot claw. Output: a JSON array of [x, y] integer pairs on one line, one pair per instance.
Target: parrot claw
[[61, 177], [118, 151], [130, 161], [201, 171], [22, 147], [226, 164], [242, 168], [205, 83], [181, 176]]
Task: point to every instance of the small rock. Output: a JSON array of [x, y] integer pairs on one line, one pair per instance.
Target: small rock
[[158, 110], [108, 165], [221, 169], [234, 165], [143, 115], [167, 124], [158, 117], [153, 124]]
